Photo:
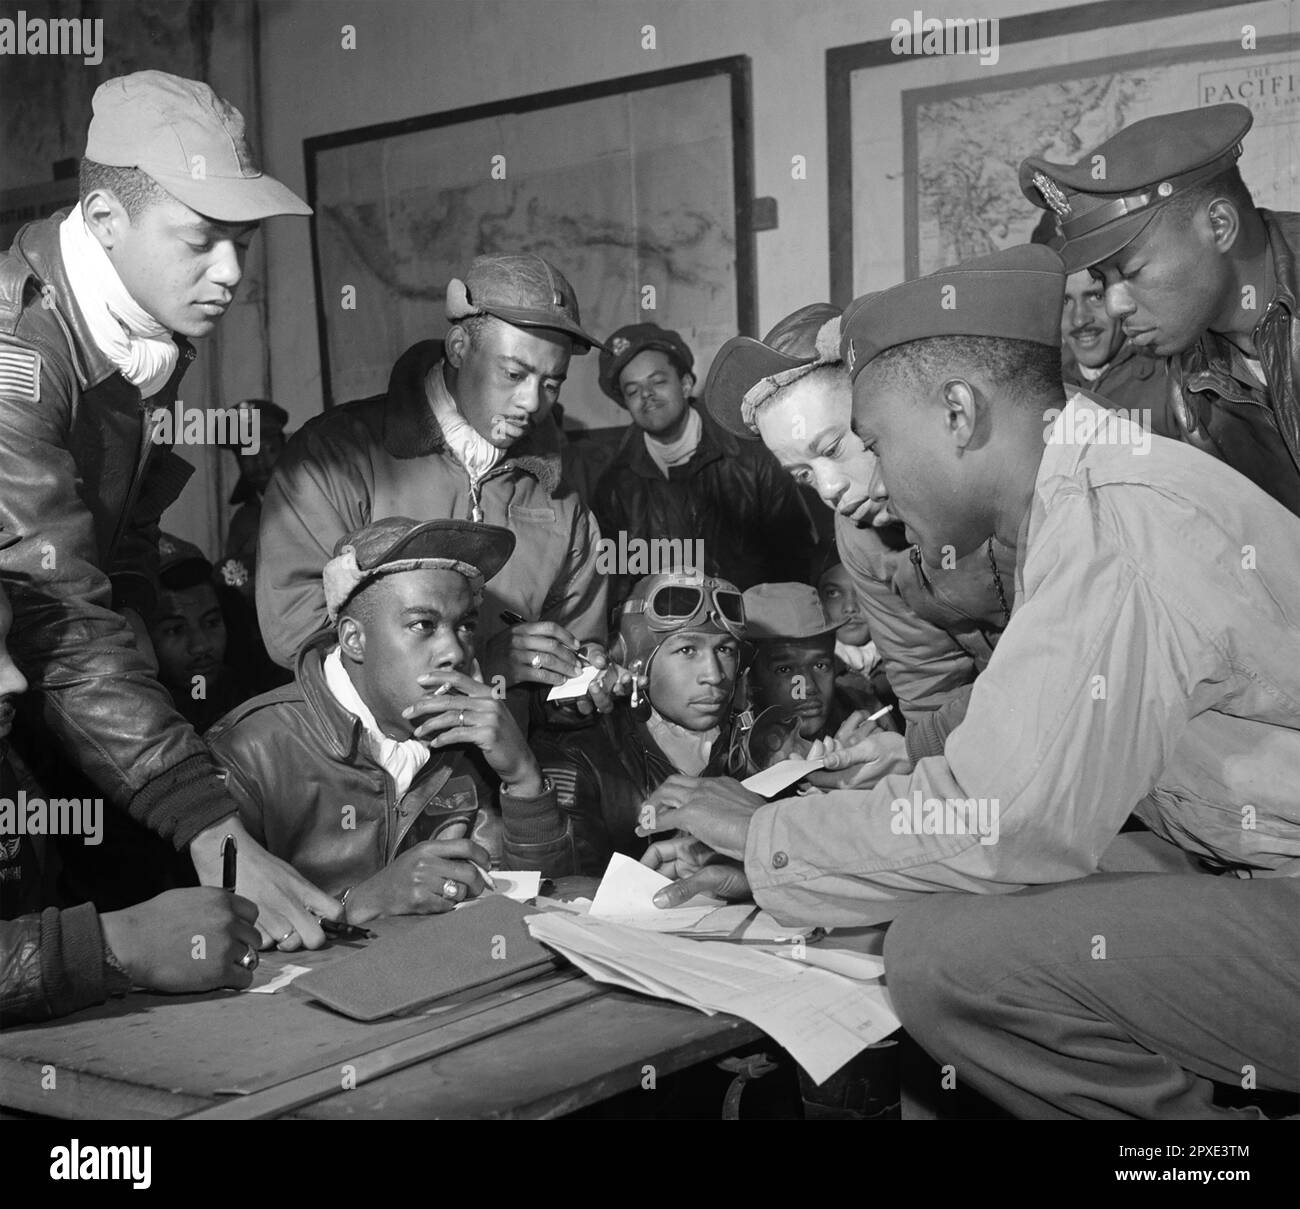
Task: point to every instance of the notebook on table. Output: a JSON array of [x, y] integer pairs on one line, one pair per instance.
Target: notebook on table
[[416, 961]]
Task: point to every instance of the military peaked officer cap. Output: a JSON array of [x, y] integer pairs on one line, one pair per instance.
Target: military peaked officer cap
[[1014, 294], [1104, 201]]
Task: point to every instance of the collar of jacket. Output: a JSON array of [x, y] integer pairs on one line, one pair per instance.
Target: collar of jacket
[[341, 730], [40, 258], [412, 431], [1145, 366], [630, 737], [715, 443], [1213, 352]]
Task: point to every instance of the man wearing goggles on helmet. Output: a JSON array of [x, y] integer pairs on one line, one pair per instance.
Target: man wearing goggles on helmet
[[680, 639]]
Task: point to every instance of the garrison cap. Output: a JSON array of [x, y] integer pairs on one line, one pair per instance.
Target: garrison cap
[[1143, 166], [629, 342], [1014, 294]]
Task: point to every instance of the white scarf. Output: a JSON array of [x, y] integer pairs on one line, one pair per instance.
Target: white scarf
[[674, 453], [130, 337], [857, 658], [467, 445], [687, 749], [401, 759]]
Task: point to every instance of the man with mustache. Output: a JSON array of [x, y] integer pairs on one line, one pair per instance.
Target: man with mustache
[[1151, 666], [676, 475], [464, 431], [97, 309], [1196, 273]]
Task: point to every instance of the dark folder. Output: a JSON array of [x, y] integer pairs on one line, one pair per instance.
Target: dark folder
[[417, 961]]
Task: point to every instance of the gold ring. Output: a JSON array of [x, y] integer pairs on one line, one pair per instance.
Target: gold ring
[[281, 939], [537, 661], [461, 720], [250, 959], [450, 889]]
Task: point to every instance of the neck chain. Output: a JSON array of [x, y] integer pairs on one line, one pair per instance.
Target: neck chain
[[997, 583]]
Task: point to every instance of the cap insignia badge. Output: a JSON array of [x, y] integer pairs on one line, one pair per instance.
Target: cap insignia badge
[[1052, 194], [619, 345]]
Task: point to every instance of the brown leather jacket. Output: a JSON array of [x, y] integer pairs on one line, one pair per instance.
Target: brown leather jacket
[[308, 790], [83, 487], [1222, 408]]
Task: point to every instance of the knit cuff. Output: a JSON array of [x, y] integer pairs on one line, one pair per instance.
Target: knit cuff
[[185, 800], [926, 735], [532, 820], [72, 958]]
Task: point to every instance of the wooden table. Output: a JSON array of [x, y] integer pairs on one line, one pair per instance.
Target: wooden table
[[153, 1056]]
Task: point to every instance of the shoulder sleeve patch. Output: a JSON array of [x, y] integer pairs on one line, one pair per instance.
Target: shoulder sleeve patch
[[20, 373]]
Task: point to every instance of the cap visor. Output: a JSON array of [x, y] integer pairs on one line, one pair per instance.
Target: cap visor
[[487, 547], [741, 363], [233, 199], [549, 320], [1097, 245]]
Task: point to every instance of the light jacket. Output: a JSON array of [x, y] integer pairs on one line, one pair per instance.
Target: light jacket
[[1152, 665], [386, 456], [308, 789], [84, 486], [935, 628], [1222, 408]]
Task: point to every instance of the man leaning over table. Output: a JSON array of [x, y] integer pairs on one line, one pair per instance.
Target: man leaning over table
[[1151, 665]]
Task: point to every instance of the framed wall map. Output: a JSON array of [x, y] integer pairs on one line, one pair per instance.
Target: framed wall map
[[938, 182], [636, 188]]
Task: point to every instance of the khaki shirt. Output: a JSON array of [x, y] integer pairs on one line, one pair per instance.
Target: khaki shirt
[[1152, 664]]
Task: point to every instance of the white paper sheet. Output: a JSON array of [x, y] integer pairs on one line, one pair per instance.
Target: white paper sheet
[[286, 975], [575, 686], [781, 776], [822, 1019]]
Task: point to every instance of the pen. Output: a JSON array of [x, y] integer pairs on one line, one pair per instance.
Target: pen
[[344, 931], [229, 851], [510, 617]]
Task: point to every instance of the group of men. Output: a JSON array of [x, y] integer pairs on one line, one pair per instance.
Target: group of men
[[1078, 578]]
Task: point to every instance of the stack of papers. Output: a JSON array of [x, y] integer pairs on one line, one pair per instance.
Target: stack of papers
[[781, 775], [626, 896], [821, 1018]]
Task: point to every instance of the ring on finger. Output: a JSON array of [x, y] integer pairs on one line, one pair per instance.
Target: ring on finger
[[250, 958], [537, 661], [461, 720], [281, 939], [450, 889]]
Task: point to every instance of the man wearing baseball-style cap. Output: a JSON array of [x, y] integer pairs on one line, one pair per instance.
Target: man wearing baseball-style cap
[[391, 715], [464, 431], [97, 308], [1147, 668], [677, 475], [1197, 273]]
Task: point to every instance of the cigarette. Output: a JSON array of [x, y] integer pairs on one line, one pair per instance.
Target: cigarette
[[485, 875], [880, 713], [444, 687]]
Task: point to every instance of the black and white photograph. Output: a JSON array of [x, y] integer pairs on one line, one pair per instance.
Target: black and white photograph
[[649, 560]]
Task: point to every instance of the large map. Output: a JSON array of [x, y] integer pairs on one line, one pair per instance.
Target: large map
[[966, 199], [632, 203]]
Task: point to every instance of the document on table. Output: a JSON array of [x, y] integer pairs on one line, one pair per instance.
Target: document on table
[[781, 775], [626, 896], [821, 1018]]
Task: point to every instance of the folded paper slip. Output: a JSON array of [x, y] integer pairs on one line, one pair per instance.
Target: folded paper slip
[[420, 960]]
